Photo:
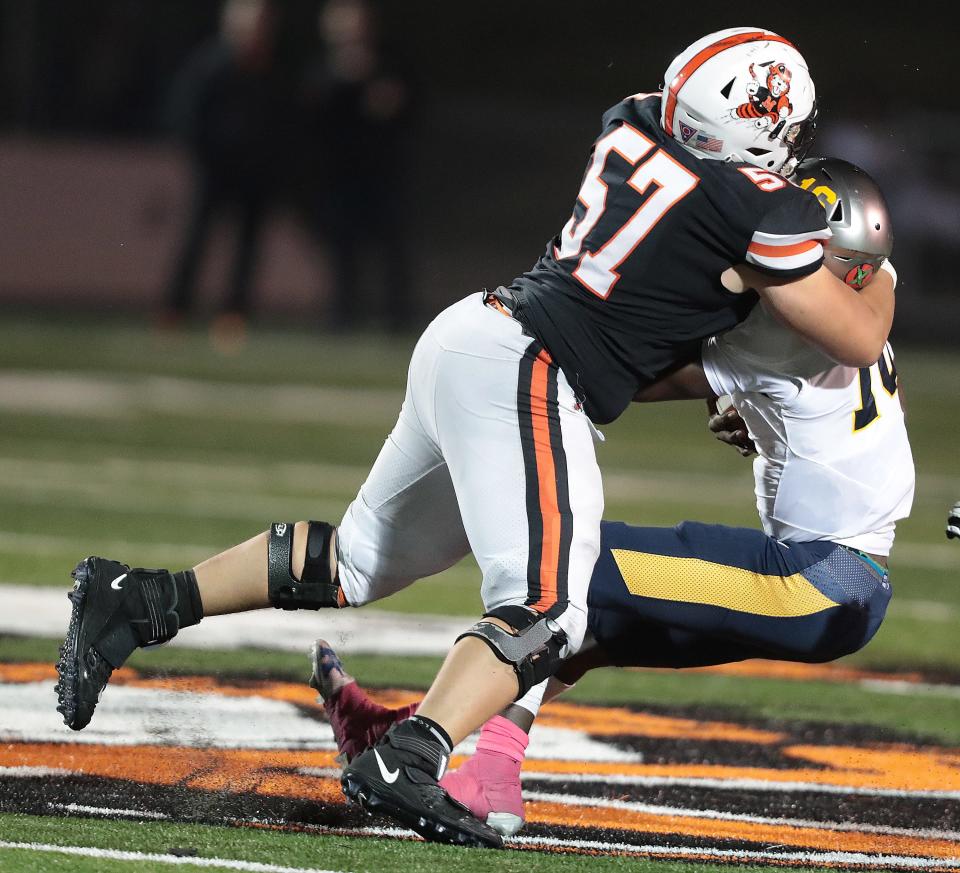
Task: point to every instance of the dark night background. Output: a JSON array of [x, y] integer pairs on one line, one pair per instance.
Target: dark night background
[[508, 98]]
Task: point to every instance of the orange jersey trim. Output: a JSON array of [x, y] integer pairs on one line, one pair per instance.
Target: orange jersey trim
[[788, 251]]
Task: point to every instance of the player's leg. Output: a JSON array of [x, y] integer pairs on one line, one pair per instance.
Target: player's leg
[[404, 524], [711, 595], [357, 721], [488, 784], [531, 508], [533, 526], [117, 609], [699, 594]]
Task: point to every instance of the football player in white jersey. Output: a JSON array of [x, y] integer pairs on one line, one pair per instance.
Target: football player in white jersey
[[953, 522], [833, 474]]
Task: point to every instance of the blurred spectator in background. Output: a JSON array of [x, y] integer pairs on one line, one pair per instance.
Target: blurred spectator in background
[[360, 108], [227, 108]]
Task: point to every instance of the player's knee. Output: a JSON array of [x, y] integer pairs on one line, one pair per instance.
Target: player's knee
[[573, 621], [302, 565], [535, 647]]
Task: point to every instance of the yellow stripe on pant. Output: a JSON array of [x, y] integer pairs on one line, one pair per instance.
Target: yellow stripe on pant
[[692, 580]]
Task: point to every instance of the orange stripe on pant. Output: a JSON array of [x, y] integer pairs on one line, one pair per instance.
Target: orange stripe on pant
[[547, 482]]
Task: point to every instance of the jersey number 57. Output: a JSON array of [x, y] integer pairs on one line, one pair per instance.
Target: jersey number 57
[[597, 270]]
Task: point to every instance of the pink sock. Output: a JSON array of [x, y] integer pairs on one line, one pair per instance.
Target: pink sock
[[488, 784], [502, 736]]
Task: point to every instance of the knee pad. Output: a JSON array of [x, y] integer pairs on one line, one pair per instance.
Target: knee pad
[[316, 589], [534, 651]]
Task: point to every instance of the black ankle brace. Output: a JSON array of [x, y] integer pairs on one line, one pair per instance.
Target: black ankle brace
[[156, 617], [149, 614], [189, 605], [417, 736]]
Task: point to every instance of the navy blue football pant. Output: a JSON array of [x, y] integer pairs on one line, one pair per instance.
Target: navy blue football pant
[[700, 594]]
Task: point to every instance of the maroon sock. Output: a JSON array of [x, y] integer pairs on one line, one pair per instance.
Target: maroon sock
[[358, 722]]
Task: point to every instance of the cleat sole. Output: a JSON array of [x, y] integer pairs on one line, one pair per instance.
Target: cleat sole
[[68, 661], [365, 795]]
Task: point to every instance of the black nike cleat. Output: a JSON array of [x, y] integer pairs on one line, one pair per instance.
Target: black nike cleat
[[399, 777], [115, 611]]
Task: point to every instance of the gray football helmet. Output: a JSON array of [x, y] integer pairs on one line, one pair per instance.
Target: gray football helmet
[[856, 213]]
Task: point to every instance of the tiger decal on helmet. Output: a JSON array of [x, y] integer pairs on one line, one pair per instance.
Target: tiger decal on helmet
[[769, 104]]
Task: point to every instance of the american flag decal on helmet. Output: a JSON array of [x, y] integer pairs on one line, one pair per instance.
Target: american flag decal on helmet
[[708, 143]]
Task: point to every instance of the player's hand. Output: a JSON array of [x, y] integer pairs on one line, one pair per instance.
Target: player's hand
[[953, 522], [730, 428]]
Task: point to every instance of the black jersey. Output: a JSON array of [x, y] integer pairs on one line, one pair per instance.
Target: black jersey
[[631, 285]]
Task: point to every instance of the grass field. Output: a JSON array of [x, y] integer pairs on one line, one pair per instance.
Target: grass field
[[160, 452]]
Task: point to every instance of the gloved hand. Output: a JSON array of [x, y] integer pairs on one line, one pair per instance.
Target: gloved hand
[[730, 428], [953, 522]]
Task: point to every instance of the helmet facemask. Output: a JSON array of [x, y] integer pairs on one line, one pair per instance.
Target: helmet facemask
[[798, 137]]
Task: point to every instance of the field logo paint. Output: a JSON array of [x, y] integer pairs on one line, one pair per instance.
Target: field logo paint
[[764, 786]]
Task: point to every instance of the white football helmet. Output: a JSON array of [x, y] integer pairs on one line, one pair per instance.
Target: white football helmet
[[741, 94]]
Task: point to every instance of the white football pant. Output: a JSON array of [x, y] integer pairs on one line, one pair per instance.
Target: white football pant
[[491, 454]]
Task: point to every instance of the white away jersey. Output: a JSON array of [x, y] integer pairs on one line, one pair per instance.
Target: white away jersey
[[834, 462]]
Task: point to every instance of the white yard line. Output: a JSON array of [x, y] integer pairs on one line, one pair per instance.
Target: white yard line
[[237, 488], [31, 772], [857, 859], [267, 476], [230, 472], [30, 611], [743, 784], [44, 612], [832, 858], [719, 815], [107, 811], [176, 860], [110, 398], [147, 552], [909, 689]]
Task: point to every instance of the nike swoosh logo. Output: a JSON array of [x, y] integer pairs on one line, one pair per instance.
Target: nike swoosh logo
[[389, 776], [115, 584]]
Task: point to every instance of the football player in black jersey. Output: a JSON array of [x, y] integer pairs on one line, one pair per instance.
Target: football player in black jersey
[[493, 450]]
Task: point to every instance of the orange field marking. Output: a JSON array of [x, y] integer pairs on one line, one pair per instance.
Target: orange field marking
[[280, 773], [801, 837], [611, 721], [802, 672], [884, 766], [596, 720], [276, 774], [273, 772]]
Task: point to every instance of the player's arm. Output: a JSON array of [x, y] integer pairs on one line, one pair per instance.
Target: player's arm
[[848, 326], [685, 383], [690, 383], [786, 268]]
